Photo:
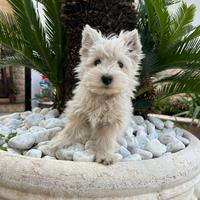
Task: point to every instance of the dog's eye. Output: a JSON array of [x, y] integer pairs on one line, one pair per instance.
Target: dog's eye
[[97, 62], [121, 65]]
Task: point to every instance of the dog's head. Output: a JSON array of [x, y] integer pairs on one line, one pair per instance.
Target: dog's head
[[109, 65]]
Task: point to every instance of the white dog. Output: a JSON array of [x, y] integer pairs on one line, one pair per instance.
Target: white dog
[[101, 107]]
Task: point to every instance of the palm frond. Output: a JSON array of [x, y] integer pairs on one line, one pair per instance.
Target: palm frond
[[25, 13], [163, 20], [11, 36], [180, 24], [182, 82], [55, 31]]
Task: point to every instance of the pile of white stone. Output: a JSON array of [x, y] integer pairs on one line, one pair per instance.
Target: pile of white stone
[[27, 134]]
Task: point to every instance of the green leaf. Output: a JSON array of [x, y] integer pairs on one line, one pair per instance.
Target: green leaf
[[180, 23], [196, 113], [3, 148], [11, 135]]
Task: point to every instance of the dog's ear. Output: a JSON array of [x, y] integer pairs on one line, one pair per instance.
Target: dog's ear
[[132, 41], [89, 36]]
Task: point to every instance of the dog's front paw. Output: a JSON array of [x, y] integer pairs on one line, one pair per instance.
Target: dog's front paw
[[48, 149], [106, 158]]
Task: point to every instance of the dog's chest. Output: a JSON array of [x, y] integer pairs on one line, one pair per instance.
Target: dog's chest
[[102, 112]]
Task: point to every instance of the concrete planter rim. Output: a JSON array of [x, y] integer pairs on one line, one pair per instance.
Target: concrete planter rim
[[54, 179]]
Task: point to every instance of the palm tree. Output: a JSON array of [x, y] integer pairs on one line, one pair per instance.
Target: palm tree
[[169, 42], [35, 45]]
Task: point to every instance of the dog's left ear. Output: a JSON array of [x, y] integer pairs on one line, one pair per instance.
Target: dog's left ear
[[132, 41], [89, 37]]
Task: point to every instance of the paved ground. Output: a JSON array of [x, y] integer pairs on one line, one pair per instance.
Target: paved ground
[[1, 114]]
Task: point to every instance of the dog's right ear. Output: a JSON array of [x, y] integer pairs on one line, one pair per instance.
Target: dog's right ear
[[89, 36]]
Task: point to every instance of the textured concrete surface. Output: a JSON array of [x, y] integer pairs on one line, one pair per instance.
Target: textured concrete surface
[[172, 177]]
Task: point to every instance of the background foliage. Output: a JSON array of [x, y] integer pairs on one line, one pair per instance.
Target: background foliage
[[169, 42]]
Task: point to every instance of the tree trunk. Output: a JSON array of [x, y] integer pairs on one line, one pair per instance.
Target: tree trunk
[[143, 104], [61, 97]]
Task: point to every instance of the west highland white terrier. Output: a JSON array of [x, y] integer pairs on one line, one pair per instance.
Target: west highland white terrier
[[101, 108]]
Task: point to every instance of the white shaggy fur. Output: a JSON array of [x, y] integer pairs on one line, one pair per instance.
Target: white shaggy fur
[[98, 111]]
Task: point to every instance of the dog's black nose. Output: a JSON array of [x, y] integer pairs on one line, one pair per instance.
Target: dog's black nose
[[107, 79]]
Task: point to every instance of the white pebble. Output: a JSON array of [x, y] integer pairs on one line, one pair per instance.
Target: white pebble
[[119, 156], [124, 152], [65, 154], [76, 147], [5, 145], [49, 116], [52, 123], [132, 157], [22, 130], [40, 136], [150, 127], [13, 124], [142, 140], [36, 110], [175, 146], [142, 127], [13, 151], [169, 131], [185, 141], [86, 156], [44, 111], [153, 135], [169, 124], [132, 143], [34, 153], [179, 131], [157, 122], [22, 142], [122, 141], [37, 128], [2, 142], [25, 114], [54, 113], [144, 154], [129, 131], [5, 130], [49, 158], [166, 138], [138, 119], [156, 148], [33, 120], [133, 124], [63, 115], [141, 132]]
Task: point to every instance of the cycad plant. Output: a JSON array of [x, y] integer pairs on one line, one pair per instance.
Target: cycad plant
[[36, 45], [169, 42]]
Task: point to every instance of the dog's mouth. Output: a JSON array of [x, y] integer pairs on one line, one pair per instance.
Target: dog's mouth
[[104, 90], [107, 87]]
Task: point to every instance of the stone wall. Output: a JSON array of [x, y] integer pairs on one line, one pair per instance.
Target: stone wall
[[19, 80]]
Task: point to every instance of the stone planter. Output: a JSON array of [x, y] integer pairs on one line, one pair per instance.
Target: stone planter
[[174, 176]]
